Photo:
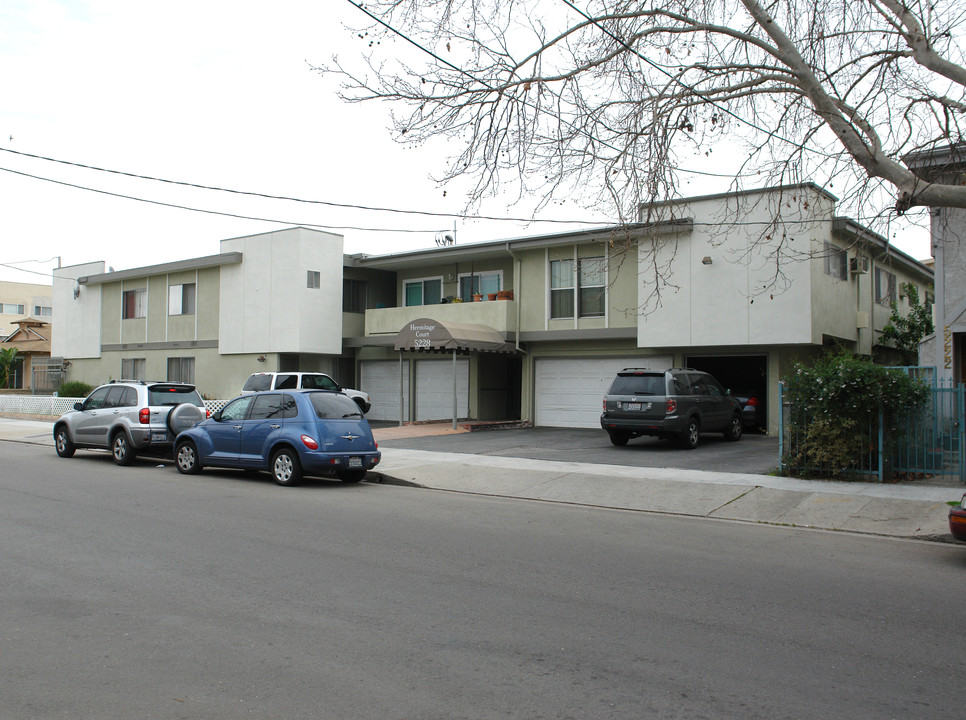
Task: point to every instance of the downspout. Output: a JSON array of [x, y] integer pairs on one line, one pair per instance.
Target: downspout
[[516, 281]]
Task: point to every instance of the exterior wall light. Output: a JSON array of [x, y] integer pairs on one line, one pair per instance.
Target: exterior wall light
[[706, 260]]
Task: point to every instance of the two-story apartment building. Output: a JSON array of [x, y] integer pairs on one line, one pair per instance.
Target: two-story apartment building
[[21, 300], [741, 285]]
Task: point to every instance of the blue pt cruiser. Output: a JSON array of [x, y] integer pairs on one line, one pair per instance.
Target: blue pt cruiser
[[289, 434]]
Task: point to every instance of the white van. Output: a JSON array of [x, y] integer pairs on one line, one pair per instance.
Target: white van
[[301, 381]]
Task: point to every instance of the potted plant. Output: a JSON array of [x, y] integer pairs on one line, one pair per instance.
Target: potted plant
[[491, 296], [504, 295], [477, 298]]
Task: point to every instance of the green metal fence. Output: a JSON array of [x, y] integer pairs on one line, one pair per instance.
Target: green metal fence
[[924, 443]]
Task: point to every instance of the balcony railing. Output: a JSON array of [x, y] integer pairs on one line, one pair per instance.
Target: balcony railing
[[501, 315]]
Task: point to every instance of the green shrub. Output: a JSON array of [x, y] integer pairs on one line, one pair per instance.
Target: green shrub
[[75, 388], [836, 406]]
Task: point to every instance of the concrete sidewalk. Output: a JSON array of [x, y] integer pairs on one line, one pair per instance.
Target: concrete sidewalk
[[906, 511]]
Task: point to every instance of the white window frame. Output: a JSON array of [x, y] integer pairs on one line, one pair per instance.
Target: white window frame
[[184, 363], [140, 303], [422, 282], [889, 296], [313, 279], [833, 251], [602, 287], [177, 296]]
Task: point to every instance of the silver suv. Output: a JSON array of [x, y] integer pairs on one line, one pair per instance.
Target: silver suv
[[129, 417], [679, 403]]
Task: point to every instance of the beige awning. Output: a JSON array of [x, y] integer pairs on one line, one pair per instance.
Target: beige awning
[[429, 334]]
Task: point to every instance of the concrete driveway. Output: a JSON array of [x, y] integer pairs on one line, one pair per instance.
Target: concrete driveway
[[755, 454]]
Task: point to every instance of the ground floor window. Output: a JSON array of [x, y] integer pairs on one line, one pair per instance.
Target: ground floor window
[[133, 369], [181, 369]]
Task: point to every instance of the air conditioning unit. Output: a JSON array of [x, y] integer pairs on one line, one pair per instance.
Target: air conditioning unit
[[858, 265]]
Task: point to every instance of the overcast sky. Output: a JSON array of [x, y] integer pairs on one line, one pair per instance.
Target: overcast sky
[[211, 93]]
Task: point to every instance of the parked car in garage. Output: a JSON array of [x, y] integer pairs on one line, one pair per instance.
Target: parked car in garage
[[752, 407], [261, 381], [129, 417], [679, 403], [289, 434], [957, 520]]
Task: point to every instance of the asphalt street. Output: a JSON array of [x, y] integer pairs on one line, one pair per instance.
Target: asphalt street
[[141, 593]]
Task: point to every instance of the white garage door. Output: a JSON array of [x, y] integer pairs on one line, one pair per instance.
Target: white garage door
[[569, 391], [380, 378], [434, 389]]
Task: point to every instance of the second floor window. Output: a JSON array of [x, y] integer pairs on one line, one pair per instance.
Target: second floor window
[[134, 304], [885, 287], [423, 292], [836, 262], [12, 309], [480, 284], [581, 288], [354, 295], [43, 311], [181, 299], [313, 279]]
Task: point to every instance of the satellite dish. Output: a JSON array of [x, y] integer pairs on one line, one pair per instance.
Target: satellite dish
[[445, 238]]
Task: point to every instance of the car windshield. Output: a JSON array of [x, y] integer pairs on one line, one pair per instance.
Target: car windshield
[[652, 384], [334, 405], [173, 395], [319, 382]]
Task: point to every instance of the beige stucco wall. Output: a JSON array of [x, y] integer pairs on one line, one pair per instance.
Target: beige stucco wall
[[26, 294]]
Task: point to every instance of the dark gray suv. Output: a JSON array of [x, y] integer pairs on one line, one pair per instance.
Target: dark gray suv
[[679, 403], [129, 417]]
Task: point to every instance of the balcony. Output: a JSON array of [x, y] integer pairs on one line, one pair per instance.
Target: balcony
[[501, 315]]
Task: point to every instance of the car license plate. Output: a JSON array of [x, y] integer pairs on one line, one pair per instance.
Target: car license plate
[[355, 462], [159, 437], [633, 406]]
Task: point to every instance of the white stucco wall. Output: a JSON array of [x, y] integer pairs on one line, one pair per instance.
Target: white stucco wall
[[76, 321], [265, 304], [737, 298]]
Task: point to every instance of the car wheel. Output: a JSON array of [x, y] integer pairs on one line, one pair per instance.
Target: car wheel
[[121, 449], [351, 476], [186, 458], [734, 429], [62, 441], [286, 468], [619, 438], [692, 435]]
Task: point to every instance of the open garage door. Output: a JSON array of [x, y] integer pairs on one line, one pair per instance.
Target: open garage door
[[569, 391], [745, 375], [380, 378]]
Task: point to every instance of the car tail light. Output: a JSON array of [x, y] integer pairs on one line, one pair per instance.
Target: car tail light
[[670, 406], [310, 442], [752, 401], [144, 416], [207, 413]]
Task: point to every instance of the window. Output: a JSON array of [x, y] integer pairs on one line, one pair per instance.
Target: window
[[836, 262], [313, 279], [591, 283], [480, 284], [885, 287], [582, 288], [97, 399], [181, 369], [181, 299], [354, 295], [423, 292], [43, 311], [12, 309], [134, 304], [236, 409], [133, 369], [266, 407], [561, 288]]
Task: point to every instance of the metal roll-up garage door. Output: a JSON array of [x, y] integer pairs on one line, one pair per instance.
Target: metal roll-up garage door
[[380, 378], [434, 389], [568, 391]]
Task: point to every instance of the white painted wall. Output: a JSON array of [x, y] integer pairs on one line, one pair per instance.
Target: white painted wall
[[265, 303], [729, 301], [76, 322]]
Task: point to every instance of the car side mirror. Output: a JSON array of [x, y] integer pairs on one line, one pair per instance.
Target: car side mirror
[[78, 406], [217, 416]]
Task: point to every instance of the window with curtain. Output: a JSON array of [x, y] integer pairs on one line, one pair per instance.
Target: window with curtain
[[592, 287], [561, 288], [134, 304], [836, 262], [133, 369], [181, 299], [181, 369]]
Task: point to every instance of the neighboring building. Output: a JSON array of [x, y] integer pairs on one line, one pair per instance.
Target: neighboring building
[[583, 306], [20, 300], [32, 342], [947, 349]]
